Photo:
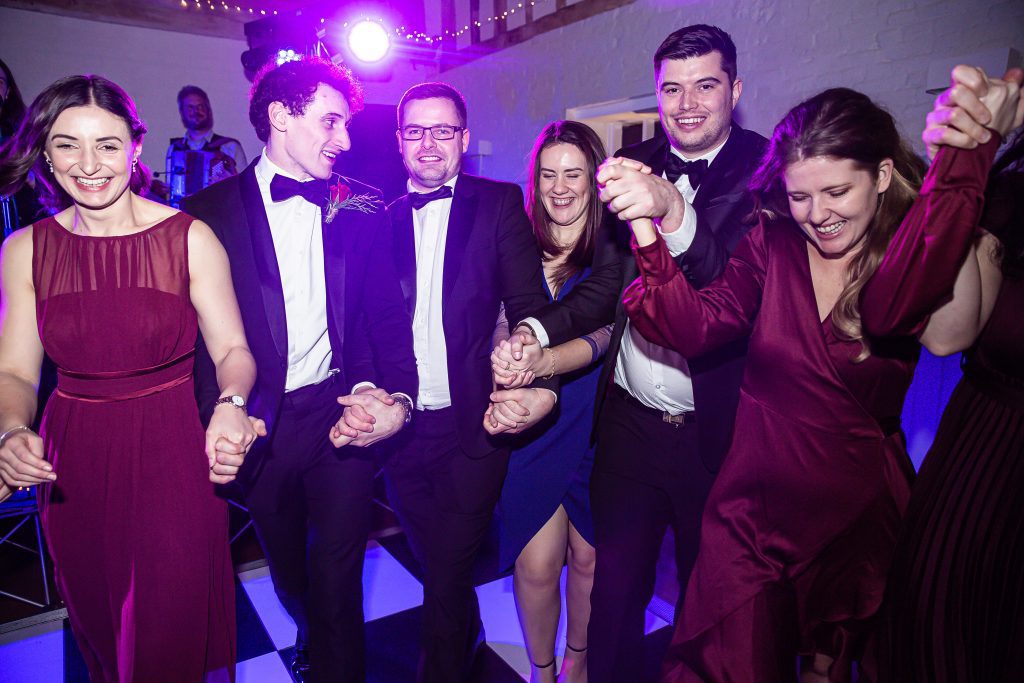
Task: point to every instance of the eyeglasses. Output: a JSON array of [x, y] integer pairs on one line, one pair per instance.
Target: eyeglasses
[[441, 132]]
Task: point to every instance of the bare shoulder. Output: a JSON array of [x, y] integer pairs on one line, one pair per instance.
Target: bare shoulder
[[16, 258], [202, 242]]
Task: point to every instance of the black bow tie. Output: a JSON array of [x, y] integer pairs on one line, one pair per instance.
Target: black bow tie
[[313, 191], [693, 170], [421, 199]]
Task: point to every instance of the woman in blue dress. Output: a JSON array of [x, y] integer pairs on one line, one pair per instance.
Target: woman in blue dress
[[545, 505]]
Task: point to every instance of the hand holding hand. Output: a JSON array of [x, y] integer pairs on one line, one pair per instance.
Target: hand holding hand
[[973, 104], [370, 415], [632, 191], [228, 439], [511, 372], [515, 410], [21, 461]]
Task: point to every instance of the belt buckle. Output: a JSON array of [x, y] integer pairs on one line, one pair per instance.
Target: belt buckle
[[673, 419]]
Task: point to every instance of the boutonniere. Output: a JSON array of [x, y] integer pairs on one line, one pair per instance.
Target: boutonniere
[[342, 197]]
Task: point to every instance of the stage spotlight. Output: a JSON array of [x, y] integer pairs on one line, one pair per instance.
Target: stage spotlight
[[287, 56], [368, 42]]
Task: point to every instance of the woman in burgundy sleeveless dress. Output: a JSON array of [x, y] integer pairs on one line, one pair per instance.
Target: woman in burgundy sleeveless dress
[[954, 606], [802, 520], [110, 288]]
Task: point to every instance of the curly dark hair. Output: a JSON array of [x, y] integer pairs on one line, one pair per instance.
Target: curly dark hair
[[23, 153], [293, 84]]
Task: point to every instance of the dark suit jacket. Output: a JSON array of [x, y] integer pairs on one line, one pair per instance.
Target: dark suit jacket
[[722, 205], [490, 257], [364, 299]]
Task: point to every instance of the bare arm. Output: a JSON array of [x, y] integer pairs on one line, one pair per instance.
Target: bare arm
[[230, 433], [21, 355], [955, 326]]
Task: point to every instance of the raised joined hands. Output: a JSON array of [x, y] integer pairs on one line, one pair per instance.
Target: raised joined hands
[[972, 107]]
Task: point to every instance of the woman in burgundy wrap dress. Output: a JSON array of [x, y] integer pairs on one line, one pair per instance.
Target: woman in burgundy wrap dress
[[114, 288], [954, 606], [801, 522]]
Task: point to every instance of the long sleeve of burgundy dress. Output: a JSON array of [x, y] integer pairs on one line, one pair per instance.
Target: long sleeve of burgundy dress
[[925, 255], [801, 523]]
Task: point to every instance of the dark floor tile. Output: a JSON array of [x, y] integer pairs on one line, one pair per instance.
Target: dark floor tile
[[74, 665], [253, 639]]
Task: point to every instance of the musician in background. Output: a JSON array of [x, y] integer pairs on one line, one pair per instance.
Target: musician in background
[[200, 157]]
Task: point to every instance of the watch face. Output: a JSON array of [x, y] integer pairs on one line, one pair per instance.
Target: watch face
[[238, 401]]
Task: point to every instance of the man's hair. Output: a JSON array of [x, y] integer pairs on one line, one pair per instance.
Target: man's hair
[[427, 91], [697, 41], [192, 90], [293, 84]]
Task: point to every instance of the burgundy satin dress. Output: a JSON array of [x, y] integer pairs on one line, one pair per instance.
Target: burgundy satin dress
[[138, 538], [955, 600], [800, 526]]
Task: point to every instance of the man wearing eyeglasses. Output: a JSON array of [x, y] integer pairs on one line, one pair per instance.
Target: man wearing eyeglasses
[[463, 246]]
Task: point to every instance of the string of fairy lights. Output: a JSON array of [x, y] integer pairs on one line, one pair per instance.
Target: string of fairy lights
[[401, 32]]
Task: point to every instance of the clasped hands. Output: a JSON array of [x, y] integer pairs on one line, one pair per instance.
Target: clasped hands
[[371, 415], [972, 107], [515, 363], [229, 437], [640, 198]]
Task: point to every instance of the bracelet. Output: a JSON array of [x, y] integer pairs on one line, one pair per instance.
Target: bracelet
[[594, 351], [554, 363], [11, 432]]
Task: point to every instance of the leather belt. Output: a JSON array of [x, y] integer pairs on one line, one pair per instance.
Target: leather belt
[[689, 417]]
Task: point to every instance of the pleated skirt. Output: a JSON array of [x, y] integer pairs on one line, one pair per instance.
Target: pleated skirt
[[955, 597]]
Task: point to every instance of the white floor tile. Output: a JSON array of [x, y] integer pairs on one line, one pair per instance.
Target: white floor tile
[[260, 589], [388, 588], [266, 668]]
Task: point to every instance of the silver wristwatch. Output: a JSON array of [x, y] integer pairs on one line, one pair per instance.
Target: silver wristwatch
[[403, 400], [235, 400]]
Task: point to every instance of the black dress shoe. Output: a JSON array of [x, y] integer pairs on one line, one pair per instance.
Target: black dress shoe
[[300, 663]]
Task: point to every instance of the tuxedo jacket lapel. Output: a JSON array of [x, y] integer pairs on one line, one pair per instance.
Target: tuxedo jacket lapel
[[337, 238], [718, 177], [460, 225], [405, 251], [265, 258]]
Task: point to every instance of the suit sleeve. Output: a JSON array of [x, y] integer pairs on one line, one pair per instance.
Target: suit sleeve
[[924, 258], [520, 272], [591, 303], [386, 336]]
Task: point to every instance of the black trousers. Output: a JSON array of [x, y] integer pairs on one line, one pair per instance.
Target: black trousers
[[444, 500], [647, 476], [311, 505]]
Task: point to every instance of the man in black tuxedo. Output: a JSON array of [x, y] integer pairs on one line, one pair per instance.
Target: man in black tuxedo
[[462, 247], [310, 261], [665, 422]]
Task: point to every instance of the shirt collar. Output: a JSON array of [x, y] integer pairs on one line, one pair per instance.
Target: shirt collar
[[205, 138], [267, 169], [710, 156], [450, 183]]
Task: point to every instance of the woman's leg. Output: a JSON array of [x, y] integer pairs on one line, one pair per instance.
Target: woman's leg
[[538, 602], [579, 580]]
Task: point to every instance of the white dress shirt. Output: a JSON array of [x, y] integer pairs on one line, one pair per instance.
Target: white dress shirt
[[299, 245], [430, 228]]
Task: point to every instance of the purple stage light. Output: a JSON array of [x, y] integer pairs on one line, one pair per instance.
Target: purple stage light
[[368, 41]]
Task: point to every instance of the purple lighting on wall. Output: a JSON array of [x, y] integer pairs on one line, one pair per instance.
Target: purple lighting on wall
[[368, 41]]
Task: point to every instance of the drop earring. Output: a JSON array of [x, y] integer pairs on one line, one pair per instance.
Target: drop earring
[[135, 163], [49, 163]]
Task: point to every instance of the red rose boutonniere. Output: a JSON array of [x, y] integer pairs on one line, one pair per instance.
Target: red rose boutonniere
[[342, 197]]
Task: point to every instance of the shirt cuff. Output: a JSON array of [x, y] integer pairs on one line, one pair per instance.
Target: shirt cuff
[[679, 240], [538, 330], [363, 385]]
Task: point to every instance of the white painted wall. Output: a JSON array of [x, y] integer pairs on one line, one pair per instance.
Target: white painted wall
[[151, 65], [788, 50]]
